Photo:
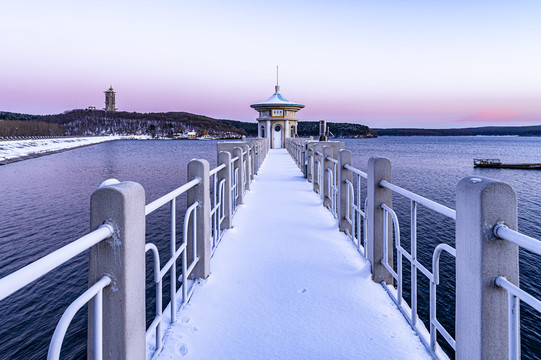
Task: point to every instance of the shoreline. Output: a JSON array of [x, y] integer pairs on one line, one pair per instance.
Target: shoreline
[[12, 151], [40, 154]]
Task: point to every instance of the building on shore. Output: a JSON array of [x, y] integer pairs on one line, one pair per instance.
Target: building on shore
[[277, 119], [110, 100]]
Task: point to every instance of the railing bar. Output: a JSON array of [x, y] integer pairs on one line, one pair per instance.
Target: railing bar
[[173, 245], [98, 325], [356, 171], [156, 204], [442, 209], [423, 269], [192, 266], [172, 260], [328, 158], [216, 169], [152, 327], [445, 334], [518, 292], [190, 291], [159, 311], [184, 276], [413, 244], [33, 271], [156, 255], [60, 331], [436, 260], [524, 241], [513, 321]]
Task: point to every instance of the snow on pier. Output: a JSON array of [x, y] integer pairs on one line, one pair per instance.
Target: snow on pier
[[286, 284]]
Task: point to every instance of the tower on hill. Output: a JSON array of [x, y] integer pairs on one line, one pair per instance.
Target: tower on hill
[[110, 99], [277, 118]]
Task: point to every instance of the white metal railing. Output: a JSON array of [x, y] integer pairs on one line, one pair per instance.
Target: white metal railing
[[312, 168], [155, 327], [332, 189], [433, 277], [432, 205], [217, 212], [357, 218], [410, 310], [95, 292], [246, 176], [22, 277], [235, 185], [355, 215], [514, 293], [217, 216]]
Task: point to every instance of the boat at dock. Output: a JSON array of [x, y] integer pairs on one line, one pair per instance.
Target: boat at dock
[[497, 164]]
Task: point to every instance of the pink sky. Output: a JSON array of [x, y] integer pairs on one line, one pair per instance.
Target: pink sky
[[392, 64]]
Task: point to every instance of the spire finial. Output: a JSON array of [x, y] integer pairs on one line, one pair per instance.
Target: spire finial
[[277, 87]]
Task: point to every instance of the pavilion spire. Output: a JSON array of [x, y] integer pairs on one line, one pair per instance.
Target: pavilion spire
[[277, 87]]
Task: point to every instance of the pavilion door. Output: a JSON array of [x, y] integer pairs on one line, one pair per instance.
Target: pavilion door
[[277, 134]]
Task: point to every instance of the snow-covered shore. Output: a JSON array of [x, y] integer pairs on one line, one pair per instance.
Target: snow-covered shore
[[11, 150]]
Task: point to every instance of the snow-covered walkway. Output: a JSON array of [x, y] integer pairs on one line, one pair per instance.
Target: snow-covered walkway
[[286, 284]]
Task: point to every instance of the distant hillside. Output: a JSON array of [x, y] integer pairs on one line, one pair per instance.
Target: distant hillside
[[98, 122], [479, 131], [249, 127], [311, 128], [4, 115], [340, 130]]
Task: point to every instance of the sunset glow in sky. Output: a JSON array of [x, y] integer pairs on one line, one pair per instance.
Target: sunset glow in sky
[[394, 63]]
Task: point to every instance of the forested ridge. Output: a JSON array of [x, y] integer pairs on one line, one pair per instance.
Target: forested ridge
[[311, 128], [472, 131], [99, 122]]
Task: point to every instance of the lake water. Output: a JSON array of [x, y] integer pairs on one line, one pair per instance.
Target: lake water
[[44, 204]]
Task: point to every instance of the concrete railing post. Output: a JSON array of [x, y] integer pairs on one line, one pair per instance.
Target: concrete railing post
[[255, 148], [344, 158], [237, 166], [310, 162], [303, 160], [122, 258], [247, 172], [378, 169], [224, 157], [199, 168], [481, 307], [299, 153], [259, 153], [253, 165], [316, 176], [325, 194]]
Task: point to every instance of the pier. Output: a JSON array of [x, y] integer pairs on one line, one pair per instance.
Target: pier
[[287, 284], [292, 254]]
